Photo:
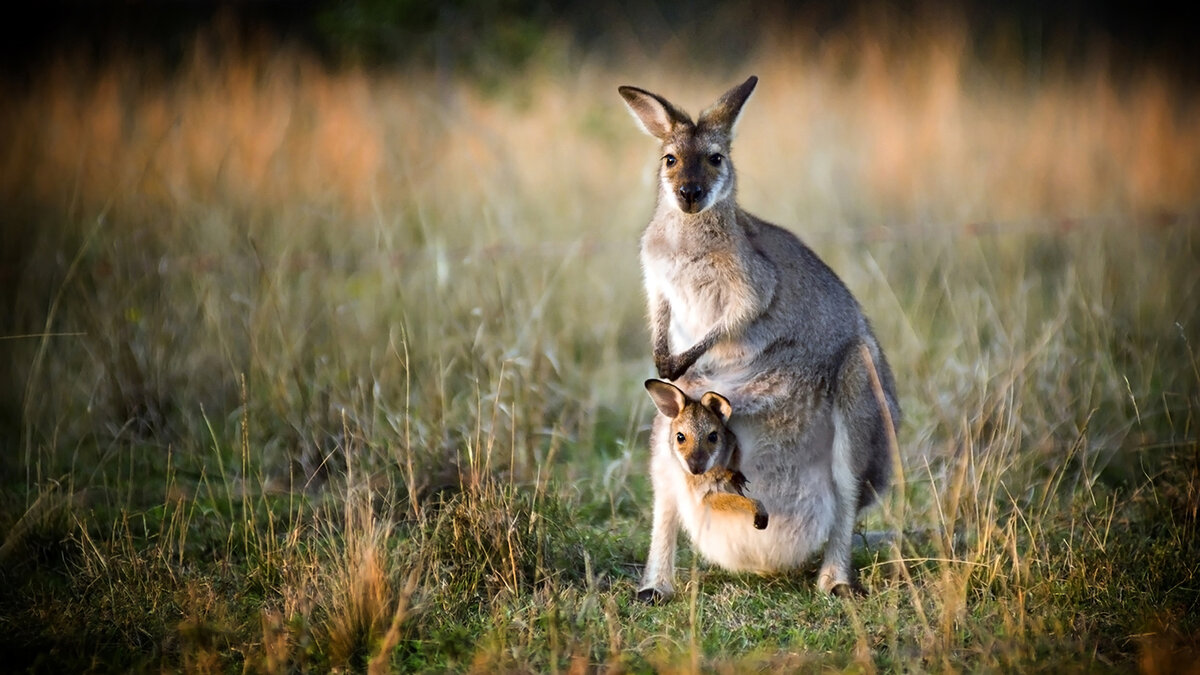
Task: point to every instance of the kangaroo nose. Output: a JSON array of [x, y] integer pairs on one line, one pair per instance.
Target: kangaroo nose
[[691, 193]]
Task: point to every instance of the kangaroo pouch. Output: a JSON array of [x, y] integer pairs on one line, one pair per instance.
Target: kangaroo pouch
[[794, 481]]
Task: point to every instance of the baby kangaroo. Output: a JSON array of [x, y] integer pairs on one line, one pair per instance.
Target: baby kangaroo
[[707, 449], [741, 306], [711, 484]]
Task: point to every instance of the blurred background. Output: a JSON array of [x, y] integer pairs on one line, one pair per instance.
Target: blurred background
[[296, 192], [308, 309], [1073, 109]]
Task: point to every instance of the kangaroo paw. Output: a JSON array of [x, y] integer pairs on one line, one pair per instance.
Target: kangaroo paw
[[840, 583], [652, 596], [849, 590], [738, 480]]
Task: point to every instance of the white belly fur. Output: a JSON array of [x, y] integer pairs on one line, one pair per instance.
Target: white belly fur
[[798, 497]]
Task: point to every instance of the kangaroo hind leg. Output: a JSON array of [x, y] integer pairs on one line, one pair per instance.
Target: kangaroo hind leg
[[859, 462]]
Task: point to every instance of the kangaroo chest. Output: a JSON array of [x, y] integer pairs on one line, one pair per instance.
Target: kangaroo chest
[[704, 288], [698, 301]]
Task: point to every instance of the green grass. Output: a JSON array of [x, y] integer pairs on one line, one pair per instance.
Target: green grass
[[314, 370]]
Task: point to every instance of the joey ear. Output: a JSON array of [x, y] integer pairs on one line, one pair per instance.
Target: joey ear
[[718, 404], [655, 114], [725, 112], [667, 397]]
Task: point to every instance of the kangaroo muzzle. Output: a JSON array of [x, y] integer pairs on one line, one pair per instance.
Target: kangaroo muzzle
[[690, 197]]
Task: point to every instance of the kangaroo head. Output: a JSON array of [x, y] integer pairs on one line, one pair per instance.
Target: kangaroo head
[[698, 428], [695, 171]]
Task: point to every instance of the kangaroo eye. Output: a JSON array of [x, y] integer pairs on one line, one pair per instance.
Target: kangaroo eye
[[670, 160], [680, 438], [715, 159], [712, 437]]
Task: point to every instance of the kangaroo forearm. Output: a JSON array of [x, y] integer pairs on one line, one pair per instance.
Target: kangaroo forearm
[[660, 328], [678, 365], [730, 503], [662, 351]]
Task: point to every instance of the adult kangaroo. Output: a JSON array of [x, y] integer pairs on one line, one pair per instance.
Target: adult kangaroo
[[742, 307]]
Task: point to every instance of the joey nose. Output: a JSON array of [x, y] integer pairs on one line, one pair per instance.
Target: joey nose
[[697, 465], [691, 193]]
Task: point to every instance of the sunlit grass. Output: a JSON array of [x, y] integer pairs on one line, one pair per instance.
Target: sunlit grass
[[322, 369]]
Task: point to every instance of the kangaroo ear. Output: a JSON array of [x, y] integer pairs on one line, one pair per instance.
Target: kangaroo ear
[[718, 404], [725, 112], [654, 114], [667, 397]]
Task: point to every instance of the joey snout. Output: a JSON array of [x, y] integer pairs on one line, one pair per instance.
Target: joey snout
[[697, 464]]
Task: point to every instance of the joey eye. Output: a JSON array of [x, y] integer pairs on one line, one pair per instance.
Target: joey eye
[[670, 160], [712, 437], [680, 438], [715, 159]]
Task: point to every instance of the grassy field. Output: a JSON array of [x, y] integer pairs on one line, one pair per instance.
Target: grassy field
[[318, 369]]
